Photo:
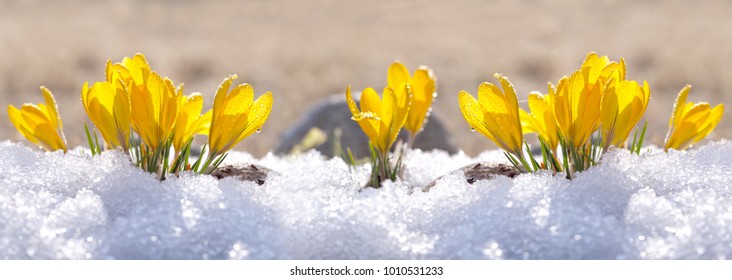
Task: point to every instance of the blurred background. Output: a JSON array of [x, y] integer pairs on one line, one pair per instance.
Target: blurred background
[[303, 51]]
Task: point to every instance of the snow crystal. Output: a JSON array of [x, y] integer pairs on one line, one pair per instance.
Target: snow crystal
[[653, 206]]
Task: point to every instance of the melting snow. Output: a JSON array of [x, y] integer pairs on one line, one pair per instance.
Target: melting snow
[[654, 206]]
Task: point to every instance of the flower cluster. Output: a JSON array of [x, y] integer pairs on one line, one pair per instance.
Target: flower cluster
[[147, 116], [405, 102], [584, 115], [144, 114]]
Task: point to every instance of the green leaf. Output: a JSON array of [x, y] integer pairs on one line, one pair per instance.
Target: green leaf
[[196, 165], [92, 148], [535, 164]]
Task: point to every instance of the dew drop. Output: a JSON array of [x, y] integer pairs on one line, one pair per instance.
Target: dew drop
[[472, 129], [259, 130]]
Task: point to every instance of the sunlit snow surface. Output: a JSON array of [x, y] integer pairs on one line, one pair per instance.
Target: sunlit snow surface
[[656, 206]]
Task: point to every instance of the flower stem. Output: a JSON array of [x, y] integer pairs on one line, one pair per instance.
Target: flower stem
[[410, 143]]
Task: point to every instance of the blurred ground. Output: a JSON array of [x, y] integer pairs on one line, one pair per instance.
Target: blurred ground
[[305, 50]]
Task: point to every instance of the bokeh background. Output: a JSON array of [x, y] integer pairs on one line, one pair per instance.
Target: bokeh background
[[306, 50]]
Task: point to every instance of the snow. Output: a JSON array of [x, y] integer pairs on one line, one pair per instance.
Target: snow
[[654, 206]]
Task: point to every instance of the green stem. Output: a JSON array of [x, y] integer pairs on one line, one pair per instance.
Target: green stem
[[207, 163], [410, 143], [523, 161], [384, 158]]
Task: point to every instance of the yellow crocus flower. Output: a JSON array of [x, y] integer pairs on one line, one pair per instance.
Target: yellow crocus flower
[[236, 115], [690, 122], [381, 119], [131, 72], [153, 99], [154, 109], [495, 114], [622, 102], [577, 107], [623, 105], [40, 123], [600, 69], [135, 69], [422, 85], [189, 120], [108, 107], [541, 120]]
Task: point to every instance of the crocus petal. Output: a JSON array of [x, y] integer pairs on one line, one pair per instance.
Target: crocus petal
[[351, 103], [142, 114], [17, 119], [592, 67], [473, 114], [423, 92], [220, 97], [101, 107], [52, 109], [541, 120], [624, 103], [154, 109], [404, 104], [679, 107], [577, 108], [528, 123], [482, 120], [691, 122], [495, 113], [561, 107], [715, 116], [169, 110], [235, 119], [609, 112], [501, 114], [258, 115], [394, 112], [188, 119], [370, 101], [509, 93], [614, 70], [387, 114], [235, 115], [117, 71], [203, 123], [138, 68], [382, 118], [39, 123], [368, 121], [122, 114], [397, 75], [422, 86], [239, 101]]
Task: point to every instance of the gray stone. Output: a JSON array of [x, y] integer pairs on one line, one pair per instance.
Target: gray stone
[[332, 113], [249, 172], [481, 171]]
